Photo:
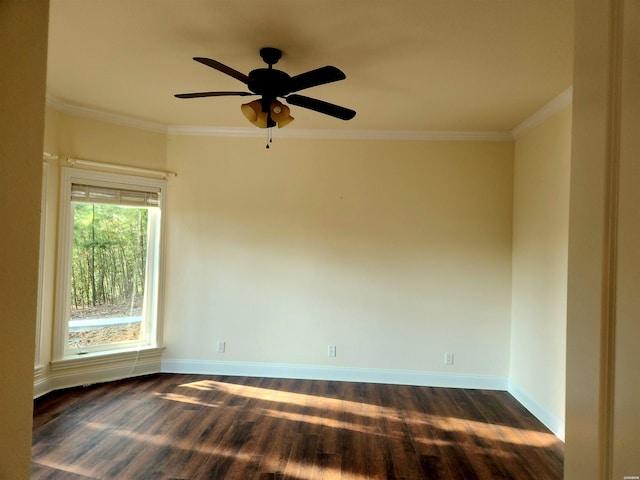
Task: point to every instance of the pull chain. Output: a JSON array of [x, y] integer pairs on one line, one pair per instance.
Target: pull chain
[[269, 137]]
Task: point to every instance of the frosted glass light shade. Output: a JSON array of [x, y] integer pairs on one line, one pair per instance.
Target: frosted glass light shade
[[251, 110], [281, 114], [278, 114], [262, 120]]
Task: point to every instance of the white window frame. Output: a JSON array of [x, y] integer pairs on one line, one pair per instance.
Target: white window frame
[[155, 277], [41, 272]]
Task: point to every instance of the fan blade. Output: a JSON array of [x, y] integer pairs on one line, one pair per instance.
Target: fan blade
[[212, 94], [223, 68], [322, 107], [319, 76]]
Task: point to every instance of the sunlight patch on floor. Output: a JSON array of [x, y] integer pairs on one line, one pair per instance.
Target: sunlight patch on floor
[[176, 397], [296, 399], [75, 469], [322, 421], [493, 432], [269, 463]]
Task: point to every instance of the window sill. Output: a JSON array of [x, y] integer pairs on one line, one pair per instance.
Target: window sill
[[112, 357]]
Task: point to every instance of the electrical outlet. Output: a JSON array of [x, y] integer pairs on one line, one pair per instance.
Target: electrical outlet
[[448, 358], [331, 351], [220, 347]]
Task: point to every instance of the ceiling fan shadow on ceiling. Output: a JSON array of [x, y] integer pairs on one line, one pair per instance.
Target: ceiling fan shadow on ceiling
[[272, 84]]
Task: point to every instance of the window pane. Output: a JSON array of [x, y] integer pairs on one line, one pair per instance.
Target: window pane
[[110, 244]]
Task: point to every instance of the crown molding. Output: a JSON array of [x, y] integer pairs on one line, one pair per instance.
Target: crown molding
[[554, 106], [100, 115], [405, 135], [207, 131]]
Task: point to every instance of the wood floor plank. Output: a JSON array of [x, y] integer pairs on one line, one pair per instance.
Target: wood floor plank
[[216, 427], [328, 466]]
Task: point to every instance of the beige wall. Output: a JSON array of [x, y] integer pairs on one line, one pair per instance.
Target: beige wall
[[540, 250], [23, 37], [86, 138], [396, 252], [626, 389], [603, 385]]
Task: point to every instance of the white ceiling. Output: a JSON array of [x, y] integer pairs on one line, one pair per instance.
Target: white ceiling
[[411, 65]]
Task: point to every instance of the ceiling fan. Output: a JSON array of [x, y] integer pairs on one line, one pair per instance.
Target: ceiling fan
[[272, 84]]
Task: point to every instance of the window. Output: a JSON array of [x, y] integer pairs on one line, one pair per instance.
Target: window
[[109, 272]]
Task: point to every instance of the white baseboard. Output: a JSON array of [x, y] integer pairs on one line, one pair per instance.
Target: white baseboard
[[308, 372], [94, 371], [91, 369], [549, 420], [92, 375], [42, 386]]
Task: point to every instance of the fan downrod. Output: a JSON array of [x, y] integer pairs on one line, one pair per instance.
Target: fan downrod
[[270, 55]]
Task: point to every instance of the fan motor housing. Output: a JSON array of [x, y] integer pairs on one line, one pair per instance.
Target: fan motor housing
[[269, 82]]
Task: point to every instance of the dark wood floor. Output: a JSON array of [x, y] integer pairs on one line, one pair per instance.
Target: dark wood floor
[[210, 427]]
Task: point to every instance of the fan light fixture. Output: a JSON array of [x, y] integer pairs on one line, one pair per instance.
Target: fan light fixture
[[270, 84], [278, 114]]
